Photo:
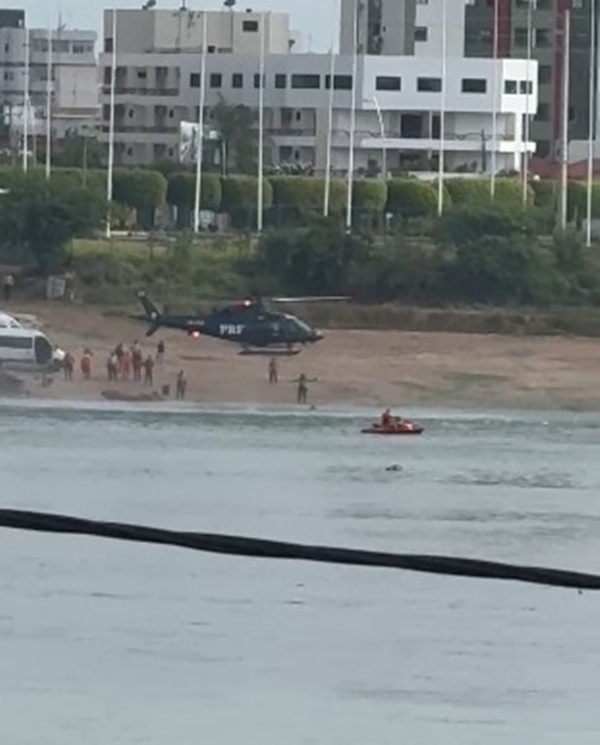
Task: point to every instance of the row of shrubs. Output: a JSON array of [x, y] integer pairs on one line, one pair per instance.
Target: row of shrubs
[[293, 198]]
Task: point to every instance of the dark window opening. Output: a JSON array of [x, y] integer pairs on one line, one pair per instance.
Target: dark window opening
[[388, 83]]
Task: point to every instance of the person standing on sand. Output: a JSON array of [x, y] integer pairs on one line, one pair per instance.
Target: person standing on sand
[[149, 370], [136, 361], [112, 367], [7, 286], [126, 365], [160, 352], [68, 366], [86, 365], [181, 386], [273, 373], [302, 394]]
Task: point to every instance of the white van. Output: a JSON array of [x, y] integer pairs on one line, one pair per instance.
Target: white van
[[26, 348]]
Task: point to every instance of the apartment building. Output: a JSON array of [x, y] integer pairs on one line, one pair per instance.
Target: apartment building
[[24, 56], [546, 20], [398, 98], [379, 27]]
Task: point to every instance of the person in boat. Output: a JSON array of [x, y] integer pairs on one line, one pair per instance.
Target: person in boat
[[387, 420]]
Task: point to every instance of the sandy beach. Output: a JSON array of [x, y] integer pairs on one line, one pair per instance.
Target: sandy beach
[[361, 368]]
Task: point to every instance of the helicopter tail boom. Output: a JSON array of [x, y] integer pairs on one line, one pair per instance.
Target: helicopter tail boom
[[153, 315]]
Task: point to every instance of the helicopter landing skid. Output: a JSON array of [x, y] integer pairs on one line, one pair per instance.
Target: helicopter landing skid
[[266, 352]]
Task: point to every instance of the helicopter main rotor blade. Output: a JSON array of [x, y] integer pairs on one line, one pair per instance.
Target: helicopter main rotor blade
[[311, 299]]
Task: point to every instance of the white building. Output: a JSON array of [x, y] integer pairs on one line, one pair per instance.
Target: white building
[[74, 76], [158, 91]]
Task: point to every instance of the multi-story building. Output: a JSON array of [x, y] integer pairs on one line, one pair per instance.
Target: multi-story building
[[24, 54], [546, 21], [378, 27], [398, 98]]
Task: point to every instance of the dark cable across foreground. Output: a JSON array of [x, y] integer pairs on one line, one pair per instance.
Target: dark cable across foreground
[[256, 547]]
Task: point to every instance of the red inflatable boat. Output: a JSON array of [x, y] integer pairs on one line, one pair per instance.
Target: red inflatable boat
[[403, 427]]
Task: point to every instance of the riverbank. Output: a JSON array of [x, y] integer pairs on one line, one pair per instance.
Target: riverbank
[[361, 367]]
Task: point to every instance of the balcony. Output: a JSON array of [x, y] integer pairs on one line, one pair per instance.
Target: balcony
[[159, 92]]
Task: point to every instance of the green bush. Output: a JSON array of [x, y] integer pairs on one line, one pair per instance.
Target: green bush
[[181, 193], [240, 195], [297, 198], [411, 198], [369, 198], [144, 190]]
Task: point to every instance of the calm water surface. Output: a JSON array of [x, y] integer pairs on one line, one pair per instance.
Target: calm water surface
[[105, 643]]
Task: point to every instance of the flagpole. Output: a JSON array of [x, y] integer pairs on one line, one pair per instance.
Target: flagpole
[[327, 192], [527, 104], [590, 163], [111, 128], [494, 103], [26, 105], [49, 104], [200, 135], [352, 120], [261, 125], [565, 120], [442, 115]]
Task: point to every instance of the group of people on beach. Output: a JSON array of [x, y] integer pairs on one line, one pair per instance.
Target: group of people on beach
[[125, 364]]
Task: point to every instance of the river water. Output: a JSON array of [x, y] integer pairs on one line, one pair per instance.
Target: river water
[[107, 643]]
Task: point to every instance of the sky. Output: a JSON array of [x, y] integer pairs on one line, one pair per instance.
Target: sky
[[312, 17]]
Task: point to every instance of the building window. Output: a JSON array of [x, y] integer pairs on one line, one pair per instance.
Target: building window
[[429, 85], [521, 36], [510, 87], [421, 33], [544, 74], [216, 80], [142, 74], [474, 85], [542, 149], [257, 80], [340, 82], [525, 87], [543, 112], [250, 26], [280, 81], [306, 81], [108, 45], [194, 79], [543, 37], [388, 83], [237, 80]]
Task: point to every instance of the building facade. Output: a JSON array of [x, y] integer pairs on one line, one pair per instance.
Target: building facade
[[24, 56], [546, 20], [380, 27], [398, 102]]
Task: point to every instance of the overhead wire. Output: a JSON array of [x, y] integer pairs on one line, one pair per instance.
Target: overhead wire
[[235, 545]]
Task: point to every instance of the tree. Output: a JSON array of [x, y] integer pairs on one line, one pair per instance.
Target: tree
[[314, 260], [236, 127], [144, 190], [40, 218]]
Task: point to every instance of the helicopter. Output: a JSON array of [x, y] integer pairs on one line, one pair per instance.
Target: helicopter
[[248, 323]]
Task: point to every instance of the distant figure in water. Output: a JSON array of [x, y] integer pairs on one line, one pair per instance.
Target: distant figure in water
[[273, 376]]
